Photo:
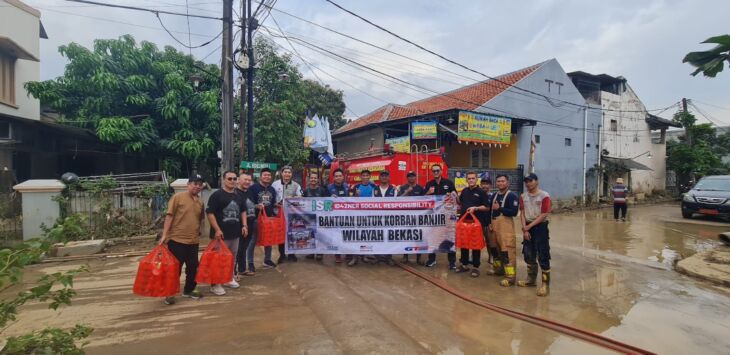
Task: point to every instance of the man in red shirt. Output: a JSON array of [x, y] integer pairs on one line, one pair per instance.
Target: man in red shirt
[[535, 207]]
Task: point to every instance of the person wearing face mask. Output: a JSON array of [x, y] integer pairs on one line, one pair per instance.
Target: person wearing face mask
[[286, 187]]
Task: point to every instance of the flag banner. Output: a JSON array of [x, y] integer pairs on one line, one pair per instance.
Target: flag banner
[[375, 225]]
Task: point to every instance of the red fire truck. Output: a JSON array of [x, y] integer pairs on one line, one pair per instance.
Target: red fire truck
[[397, 164]]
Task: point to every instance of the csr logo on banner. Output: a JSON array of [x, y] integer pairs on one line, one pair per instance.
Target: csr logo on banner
[[322, 205]]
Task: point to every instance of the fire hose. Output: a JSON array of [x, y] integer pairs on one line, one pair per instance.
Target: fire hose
[[574, 332]]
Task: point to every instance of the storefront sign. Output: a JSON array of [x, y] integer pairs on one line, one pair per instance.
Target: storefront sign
[[423, 130], [403, 225], [481, 128], [400, 144], [258, 165]]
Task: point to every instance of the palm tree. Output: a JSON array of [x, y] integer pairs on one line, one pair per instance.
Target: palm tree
[[712, 61]]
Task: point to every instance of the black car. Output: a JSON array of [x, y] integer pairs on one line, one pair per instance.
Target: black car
[[710, 196]]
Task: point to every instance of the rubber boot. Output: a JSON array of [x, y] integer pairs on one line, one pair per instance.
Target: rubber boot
[[509, 279], [497, 268], [544, 289], [531, 279]]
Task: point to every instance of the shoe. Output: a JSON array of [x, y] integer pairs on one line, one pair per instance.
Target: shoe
[[217, 290], [431, 263], [405, 259], [474, 272], [452, 266], [530, 281], [251, 268], [169, 301], [318, 257], [292, 257], [418, 260], [310, 256], [194, 294], [544, 289], [249, 273], [462, 268], [232, 284], [497, 269], [268, 264], [509, 279], [281, 260], [352, 261], [390, 261], [338, 259]]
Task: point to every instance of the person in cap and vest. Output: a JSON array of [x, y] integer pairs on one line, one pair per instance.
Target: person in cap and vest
[[619, 193], [535, 207], [505, 205]]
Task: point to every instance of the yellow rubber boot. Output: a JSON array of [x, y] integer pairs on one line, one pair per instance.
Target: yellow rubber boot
[[509, 279], [497, 269], [531, 280], [544, 289]]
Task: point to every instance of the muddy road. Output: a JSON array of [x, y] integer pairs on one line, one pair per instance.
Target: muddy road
[[611, 278]]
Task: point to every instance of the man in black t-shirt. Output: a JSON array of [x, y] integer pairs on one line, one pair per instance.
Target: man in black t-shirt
[[314, 189], [244, 257], [412, 188], [227, 216], [265, 198], [440, 186], [472, 199]]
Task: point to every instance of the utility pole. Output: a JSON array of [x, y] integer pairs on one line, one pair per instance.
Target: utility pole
[[251, 24], [227, 90], [687, 134], [242, 94]]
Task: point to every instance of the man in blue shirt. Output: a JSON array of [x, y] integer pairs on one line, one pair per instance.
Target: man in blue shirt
[[505, 205]]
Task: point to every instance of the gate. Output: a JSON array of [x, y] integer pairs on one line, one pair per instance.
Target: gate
[[11, 218]]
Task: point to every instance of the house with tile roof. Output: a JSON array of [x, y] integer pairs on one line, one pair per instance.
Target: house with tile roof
[[538, 101]]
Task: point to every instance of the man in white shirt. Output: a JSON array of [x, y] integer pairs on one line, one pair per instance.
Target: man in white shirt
[[286, 187]]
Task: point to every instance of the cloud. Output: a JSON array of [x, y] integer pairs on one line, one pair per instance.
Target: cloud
[[643, 41]]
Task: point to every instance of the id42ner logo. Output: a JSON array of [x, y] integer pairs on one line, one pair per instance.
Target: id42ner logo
[[322, 205]]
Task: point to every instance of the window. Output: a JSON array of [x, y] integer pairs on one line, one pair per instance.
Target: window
[[537, 138], [7, 79], [480, 158], [614, 125], [4, 130], [568, 142]]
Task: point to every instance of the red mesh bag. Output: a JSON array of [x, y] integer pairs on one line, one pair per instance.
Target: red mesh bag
[[216, 264], [271, 230], [158, 274], [469, 234]]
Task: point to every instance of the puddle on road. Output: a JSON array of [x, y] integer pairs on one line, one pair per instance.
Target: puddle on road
[[652, 233]]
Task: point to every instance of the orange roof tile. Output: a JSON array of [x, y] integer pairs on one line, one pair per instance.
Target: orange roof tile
[[466, 98]]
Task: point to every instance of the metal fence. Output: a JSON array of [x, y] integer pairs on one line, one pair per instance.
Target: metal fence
[[11, 217], [515, 175]]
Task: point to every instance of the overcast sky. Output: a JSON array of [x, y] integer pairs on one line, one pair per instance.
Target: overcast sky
[[644, 41]]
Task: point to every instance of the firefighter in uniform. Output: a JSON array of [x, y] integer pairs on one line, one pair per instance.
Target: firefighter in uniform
[[535, 207], [505, 205]]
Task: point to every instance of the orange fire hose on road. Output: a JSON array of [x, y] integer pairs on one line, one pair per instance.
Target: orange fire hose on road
[[584, 335]]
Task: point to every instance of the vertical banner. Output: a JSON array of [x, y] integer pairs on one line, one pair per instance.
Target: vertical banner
[[404, 225]]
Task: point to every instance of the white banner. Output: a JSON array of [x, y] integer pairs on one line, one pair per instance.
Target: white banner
[[376, 225]]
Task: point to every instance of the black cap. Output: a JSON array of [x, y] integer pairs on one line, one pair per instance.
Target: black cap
[[411, 173], [384, 173], [530, 177], [486, 180], [196, 178]]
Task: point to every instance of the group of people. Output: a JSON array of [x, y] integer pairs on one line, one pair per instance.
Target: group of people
[[232, 212]]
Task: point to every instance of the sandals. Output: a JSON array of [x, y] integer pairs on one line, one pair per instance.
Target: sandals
[[462, 269], [475, 272]]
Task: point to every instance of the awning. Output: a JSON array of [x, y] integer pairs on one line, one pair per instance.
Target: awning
[[9, 46], [656, 122], [626, 163]]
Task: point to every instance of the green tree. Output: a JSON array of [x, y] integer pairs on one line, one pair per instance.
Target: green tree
[[699, 156], [710, 62], [140, 98]]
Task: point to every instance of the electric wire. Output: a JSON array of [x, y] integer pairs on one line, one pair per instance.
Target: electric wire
[[182, 43], [144, 9]]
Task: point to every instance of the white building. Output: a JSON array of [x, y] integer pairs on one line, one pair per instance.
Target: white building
[[627, 149]]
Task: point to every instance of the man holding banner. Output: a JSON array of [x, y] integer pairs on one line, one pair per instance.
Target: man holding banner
[[364, 189], [338, 188], [440, 186], [385, 190]]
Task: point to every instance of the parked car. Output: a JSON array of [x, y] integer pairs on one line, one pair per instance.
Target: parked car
[[710, 196]]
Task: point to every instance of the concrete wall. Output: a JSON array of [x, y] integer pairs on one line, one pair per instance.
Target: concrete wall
[[632, 138], [24, 29], [559, 167], [360, 141]]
